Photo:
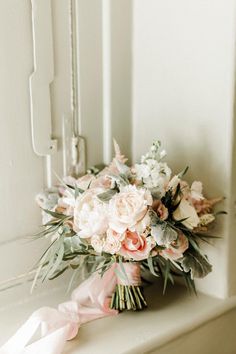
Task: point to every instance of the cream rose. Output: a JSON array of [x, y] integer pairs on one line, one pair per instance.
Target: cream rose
[[90, 214], [128, 207], [186, 211]]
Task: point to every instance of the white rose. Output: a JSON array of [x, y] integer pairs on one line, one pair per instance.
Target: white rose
[[186, 210], [128, 207], [90, 214]]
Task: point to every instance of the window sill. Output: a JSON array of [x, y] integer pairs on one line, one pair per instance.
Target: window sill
[[167, 317]]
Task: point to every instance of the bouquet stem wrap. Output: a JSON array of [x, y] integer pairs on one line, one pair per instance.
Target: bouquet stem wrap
[[128, 293]]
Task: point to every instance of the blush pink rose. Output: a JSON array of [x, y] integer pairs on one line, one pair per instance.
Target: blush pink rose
[[176, 249], [128, 207], [136, 247]]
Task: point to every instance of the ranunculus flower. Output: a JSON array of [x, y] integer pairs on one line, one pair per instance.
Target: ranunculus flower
[[90, 214], [176, 249], [186, 211], [109, 242], [97, 243], [128, 207], [112, 243], [136, 246], [160, 209]]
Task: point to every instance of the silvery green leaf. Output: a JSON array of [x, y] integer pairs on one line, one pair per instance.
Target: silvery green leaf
[[106, 196], [73, 244], [78, 191], [57, 261], [120, 180], [151, 266], [156, 192], [55, 215], [197, 264], [163, 233]]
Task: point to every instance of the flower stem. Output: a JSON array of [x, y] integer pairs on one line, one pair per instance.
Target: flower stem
[[128, 297]]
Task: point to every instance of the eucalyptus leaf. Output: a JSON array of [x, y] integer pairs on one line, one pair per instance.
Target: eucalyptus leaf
[[196, 264], [151, 267], [106, 196], [55, 215], [57, 262]]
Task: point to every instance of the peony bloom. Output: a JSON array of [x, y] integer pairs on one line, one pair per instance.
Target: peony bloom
[[176, 249], [90, 214], [128, 207], [160, 209], [135, 246], [186, 211]]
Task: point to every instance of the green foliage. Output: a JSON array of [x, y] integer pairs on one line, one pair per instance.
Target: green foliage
[[106, 196], [196, 264]]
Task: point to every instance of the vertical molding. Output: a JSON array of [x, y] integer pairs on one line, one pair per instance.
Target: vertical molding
[[41, 78], [106, 55]]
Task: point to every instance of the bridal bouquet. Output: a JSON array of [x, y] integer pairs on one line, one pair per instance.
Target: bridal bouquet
[[128, 219]]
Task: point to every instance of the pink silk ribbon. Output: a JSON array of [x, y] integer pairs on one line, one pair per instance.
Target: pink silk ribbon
[[89, 301]]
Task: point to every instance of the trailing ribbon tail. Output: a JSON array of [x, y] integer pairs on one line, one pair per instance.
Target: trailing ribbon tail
[[90, 301]]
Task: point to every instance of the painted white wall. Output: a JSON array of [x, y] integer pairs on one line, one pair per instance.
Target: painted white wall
[[183, 94], [19, 214], [22, 173]]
